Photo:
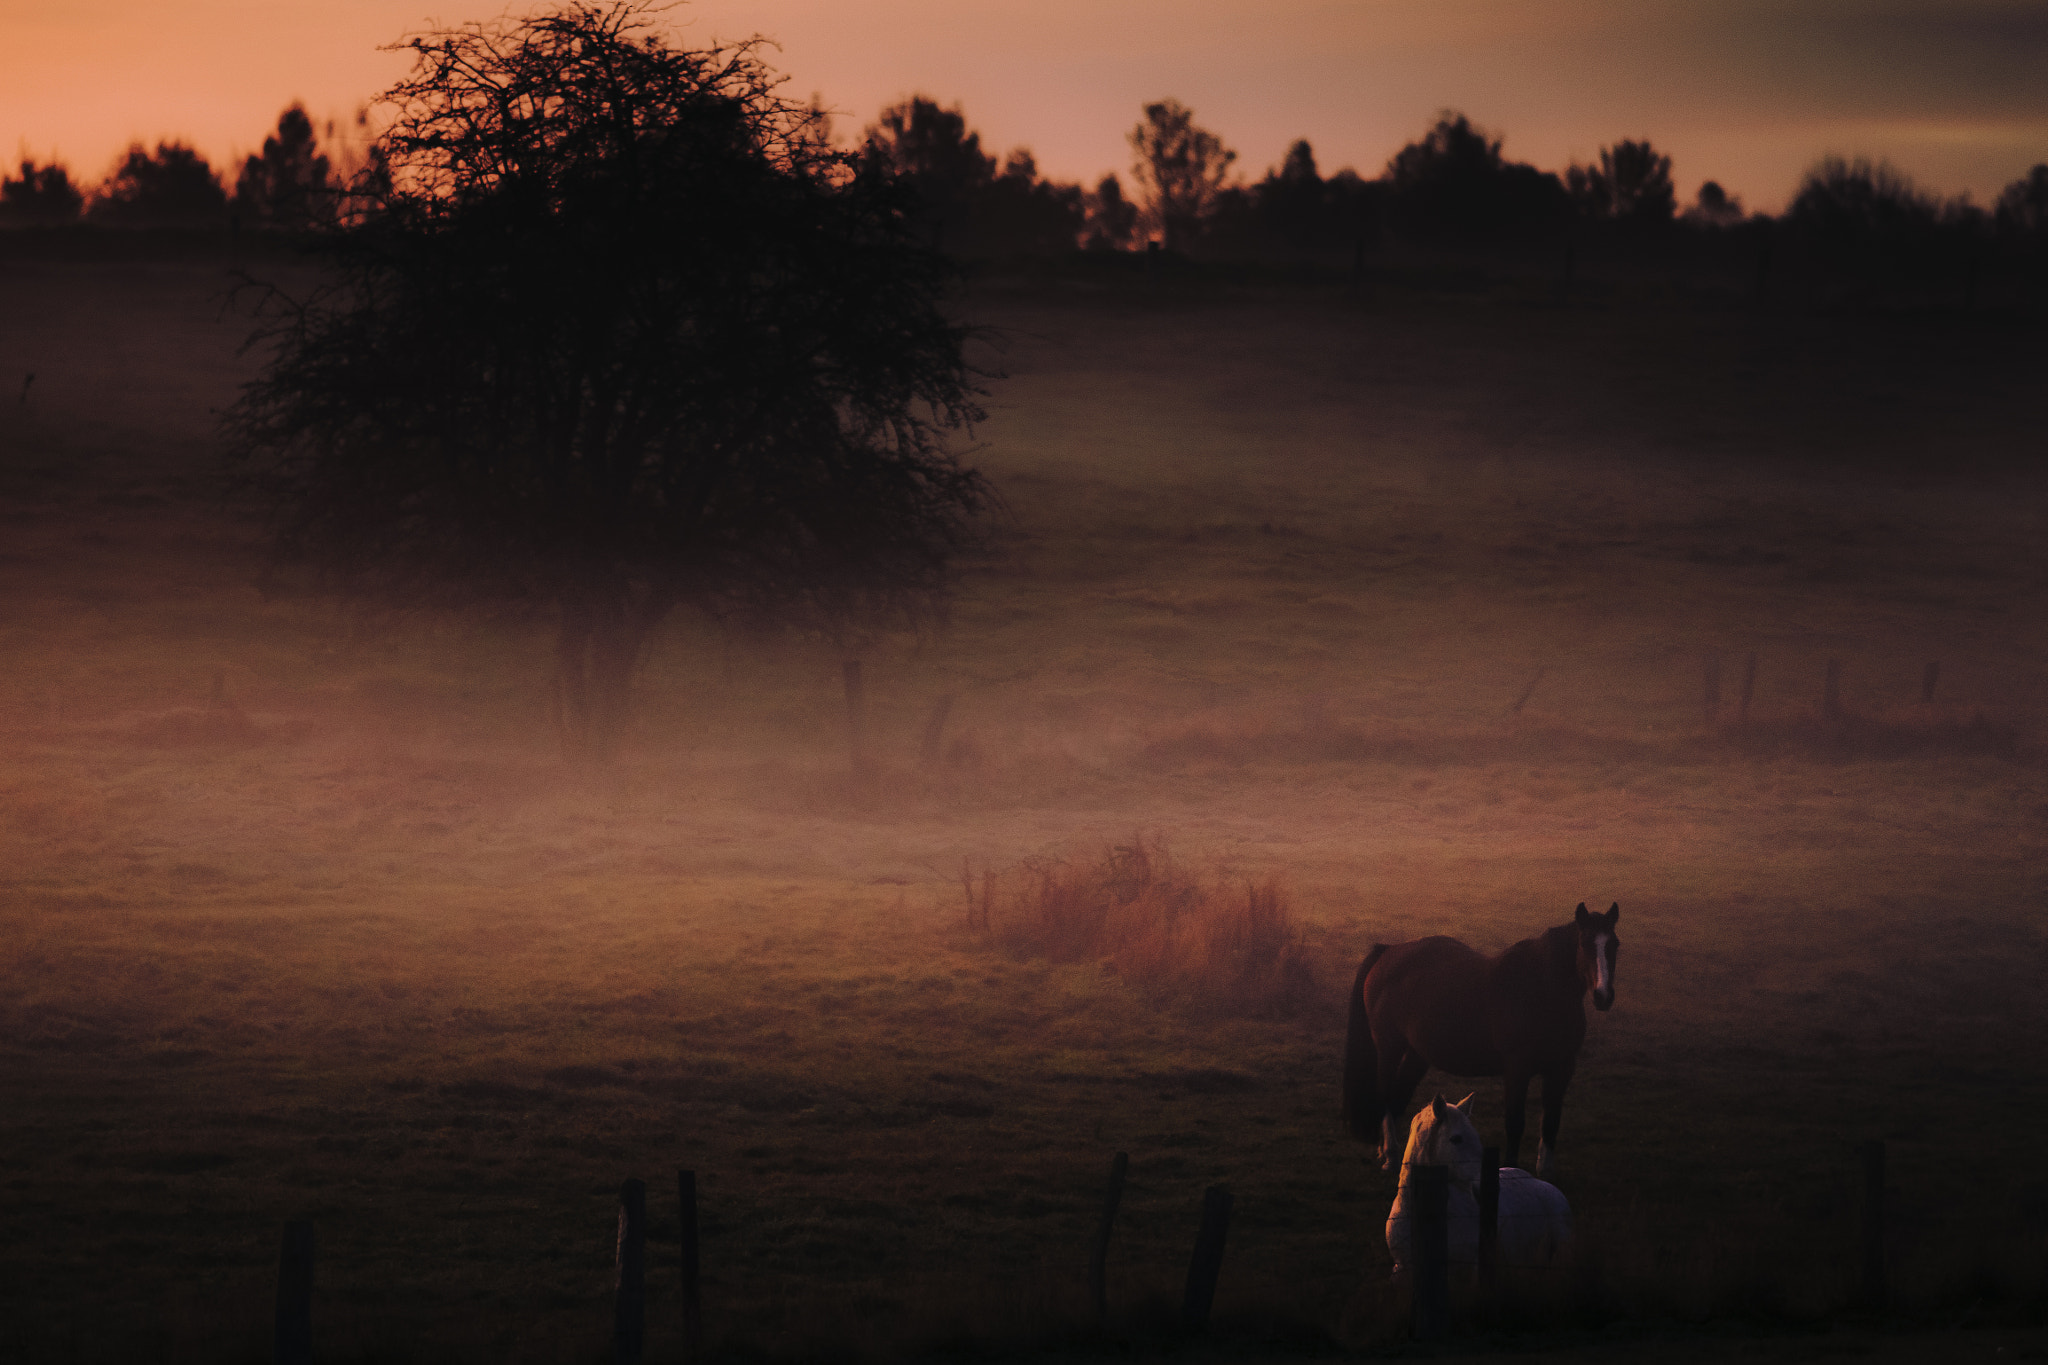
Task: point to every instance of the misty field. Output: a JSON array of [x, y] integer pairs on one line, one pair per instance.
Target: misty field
[[1400, 599]]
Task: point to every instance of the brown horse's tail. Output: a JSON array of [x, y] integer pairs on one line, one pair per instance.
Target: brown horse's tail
[[1363, 1107]]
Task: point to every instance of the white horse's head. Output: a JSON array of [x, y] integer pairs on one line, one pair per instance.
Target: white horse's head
[[1444, 1135]]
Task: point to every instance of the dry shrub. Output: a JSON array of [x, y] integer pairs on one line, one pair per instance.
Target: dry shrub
[[1207, 944]]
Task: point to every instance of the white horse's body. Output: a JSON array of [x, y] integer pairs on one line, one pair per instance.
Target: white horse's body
[[1534, 1221]]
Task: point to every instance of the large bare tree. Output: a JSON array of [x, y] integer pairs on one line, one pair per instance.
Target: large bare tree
[[612, 330]]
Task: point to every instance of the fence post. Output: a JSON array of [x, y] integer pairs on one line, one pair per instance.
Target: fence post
[[1748, 689], [693, 1308], [1489, 1212], [1098, 1256], [856, 712], [1872, 1155], [934, 730], [1207, 1261], [295, 1295], [1429, 1190], [629, 1303]]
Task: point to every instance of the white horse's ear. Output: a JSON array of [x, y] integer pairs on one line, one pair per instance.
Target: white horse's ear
[[1464, 1106], [1436, 1107]]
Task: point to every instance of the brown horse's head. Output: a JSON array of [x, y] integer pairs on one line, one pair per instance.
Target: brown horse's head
[[1598, 946]]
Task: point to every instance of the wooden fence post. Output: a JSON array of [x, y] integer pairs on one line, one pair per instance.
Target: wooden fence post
[[934, 730], [1748, 689], [1207, 1261], [1489, 1212], [1098, 1255], [295, 1295], [1429, 1189], [856, 712], [693, 1307], [629, 1302], [1872, 1155]]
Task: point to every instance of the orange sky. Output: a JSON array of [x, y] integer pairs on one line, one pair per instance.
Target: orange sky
[[1748, 92]]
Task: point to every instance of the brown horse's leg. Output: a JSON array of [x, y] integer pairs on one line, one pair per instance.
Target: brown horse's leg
[[1515, 1094], [1555, 1081], [1407, 1073]]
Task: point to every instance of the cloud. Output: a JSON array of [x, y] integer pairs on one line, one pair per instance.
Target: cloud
[[1880, 58]]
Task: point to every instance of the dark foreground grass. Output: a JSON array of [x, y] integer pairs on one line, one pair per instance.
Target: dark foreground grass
[[901, 1134]]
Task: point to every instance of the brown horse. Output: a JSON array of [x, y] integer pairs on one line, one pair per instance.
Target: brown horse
[[1437, 1003]]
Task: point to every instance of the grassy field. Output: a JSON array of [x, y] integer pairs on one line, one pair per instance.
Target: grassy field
[[300, 915]]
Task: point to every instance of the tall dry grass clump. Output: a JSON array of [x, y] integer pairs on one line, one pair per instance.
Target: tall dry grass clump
[[1211, 945]]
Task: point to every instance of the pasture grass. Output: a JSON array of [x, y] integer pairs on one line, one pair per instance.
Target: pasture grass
[[1386, 615]]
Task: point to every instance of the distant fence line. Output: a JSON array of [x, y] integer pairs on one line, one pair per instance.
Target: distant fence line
[[1431, 1316]]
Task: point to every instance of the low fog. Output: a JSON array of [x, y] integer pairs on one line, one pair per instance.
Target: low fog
[[1423, 603]]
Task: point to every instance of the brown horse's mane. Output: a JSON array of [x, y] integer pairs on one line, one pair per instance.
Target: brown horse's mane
[[1563, 943]]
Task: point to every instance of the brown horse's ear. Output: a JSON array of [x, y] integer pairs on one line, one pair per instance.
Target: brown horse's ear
[[1581, 917], [1613, 914], [1436, 1107]]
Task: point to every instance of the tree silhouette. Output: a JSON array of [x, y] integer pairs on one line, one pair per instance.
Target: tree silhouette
[[1714, 207], [1857, 201], [289, 185], [1181, 167], [1866, 218], [1019, 214], [964, 203], [2022, 209], [1632, 184], [170, 187], [1112, 220], [1291, 201], [621, 334], [41, 196], [932, 150], [1454, 185]]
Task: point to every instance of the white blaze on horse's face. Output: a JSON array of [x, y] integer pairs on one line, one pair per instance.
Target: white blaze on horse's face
[[1597, 944], [1603, 966]]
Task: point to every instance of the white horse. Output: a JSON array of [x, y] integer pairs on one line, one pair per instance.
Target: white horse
[[1534, 1221]]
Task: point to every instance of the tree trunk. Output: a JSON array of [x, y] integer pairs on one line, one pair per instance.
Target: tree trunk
[[597, 646]]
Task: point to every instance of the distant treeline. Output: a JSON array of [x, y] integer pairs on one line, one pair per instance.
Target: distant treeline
[[1451, 187], [301, 179], [1852, 223]]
